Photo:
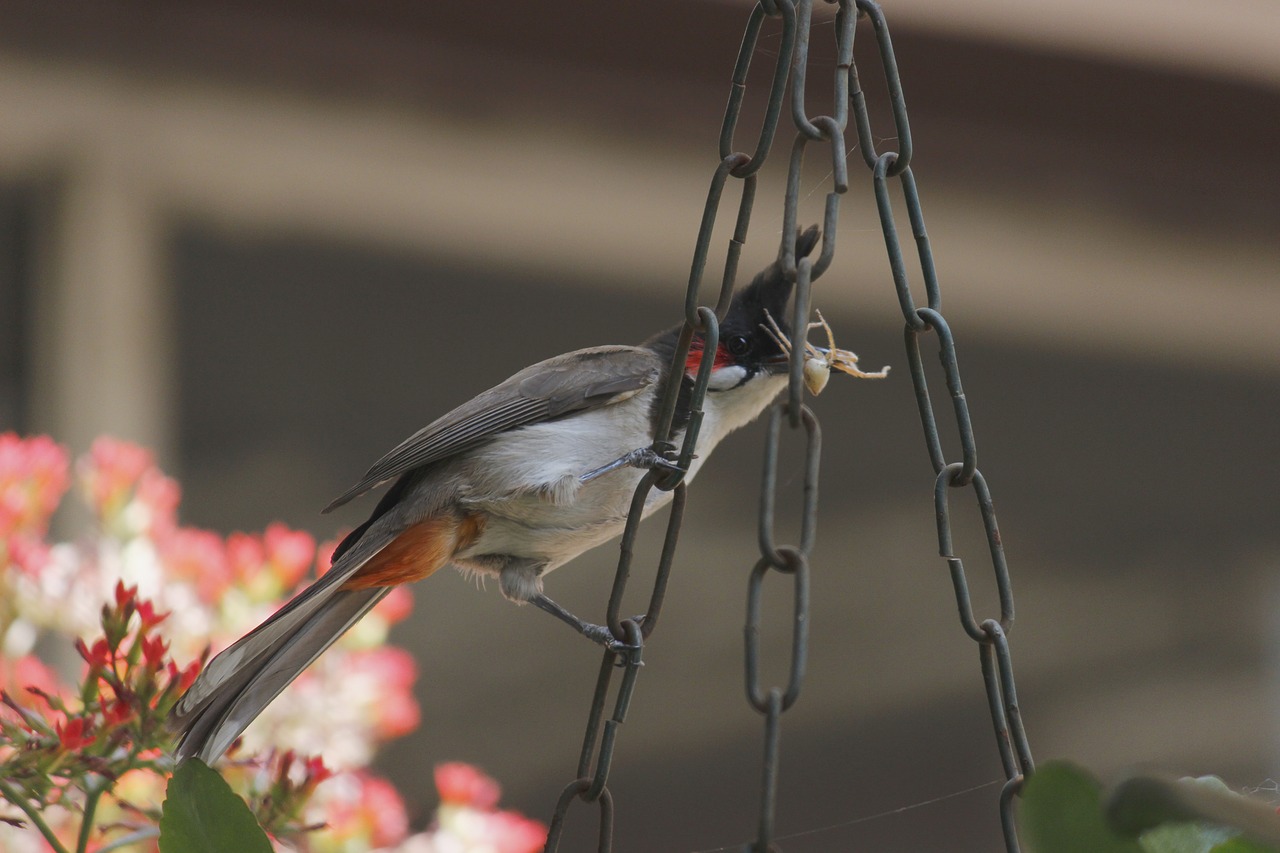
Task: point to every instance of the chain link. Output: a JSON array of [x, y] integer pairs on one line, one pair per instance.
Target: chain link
[[990, 634]]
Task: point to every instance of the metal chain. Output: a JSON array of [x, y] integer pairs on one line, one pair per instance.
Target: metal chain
[[991, 635], [598, 742], [788, 559]]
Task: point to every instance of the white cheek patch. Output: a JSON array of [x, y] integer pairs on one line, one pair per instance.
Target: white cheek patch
[[726, 378]]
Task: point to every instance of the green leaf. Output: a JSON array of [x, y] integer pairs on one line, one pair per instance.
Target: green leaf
[[1061, 812], [1185, 838], [1242, 845], [203, 815]]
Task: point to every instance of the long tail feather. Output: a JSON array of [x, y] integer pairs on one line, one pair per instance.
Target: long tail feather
[[210, 728], [243, 679]]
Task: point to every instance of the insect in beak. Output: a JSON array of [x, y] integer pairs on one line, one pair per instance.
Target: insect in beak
[[820, 361]]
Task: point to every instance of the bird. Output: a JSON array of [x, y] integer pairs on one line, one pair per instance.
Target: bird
[[512, 484]]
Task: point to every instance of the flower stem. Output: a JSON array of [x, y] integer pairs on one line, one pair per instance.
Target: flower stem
[[21, 802], [93, 792], [132, 838]]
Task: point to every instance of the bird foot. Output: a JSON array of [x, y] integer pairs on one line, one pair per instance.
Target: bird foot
[[645, 458]]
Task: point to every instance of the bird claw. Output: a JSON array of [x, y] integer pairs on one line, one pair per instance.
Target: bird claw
[[628, 652], [650, 459], [645, 458]]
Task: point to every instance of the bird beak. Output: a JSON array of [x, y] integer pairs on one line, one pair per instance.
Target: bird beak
[[782, 363], [778, 364]]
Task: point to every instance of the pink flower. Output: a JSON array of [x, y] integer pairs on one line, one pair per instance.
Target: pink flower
[[246, 555], [198, 556], [30, 555], [111, 471], [385, 810], [396, 606], [269, 565], [161, 496], [464, 785], [374, 813], [394, 671], [33, 478], [324, 554], [509, 832], [289, 551], [28, 672]]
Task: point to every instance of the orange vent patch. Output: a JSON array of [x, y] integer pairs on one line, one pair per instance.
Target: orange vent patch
[[418, 552]]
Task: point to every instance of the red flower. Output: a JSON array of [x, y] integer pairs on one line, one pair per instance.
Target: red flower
[[74, 734], [184, 678], [316, 771], [116, 713], [464, 785], [99, 655], [126, 597], [153, 650], [150, 618]]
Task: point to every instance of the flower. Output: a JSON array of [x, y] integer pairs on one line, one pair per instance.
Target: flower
[[360, 807], [33, 478], [463, 785], [192, 591], [74, 734], [469, 820]]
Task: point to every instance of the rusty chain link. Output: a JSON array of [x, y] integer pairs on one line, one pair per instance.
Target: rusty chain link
[[991, 634]]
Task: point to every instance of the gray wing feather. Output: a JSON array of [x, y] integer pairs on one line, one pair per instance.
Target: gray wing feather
[[553, 388]]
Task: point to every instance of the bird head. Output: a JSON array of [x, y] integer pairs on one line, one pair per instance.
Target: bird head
[[748, 348]]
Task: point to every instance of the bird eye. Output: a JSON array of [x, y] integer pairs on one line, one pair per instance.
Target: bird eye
[[738, 345]]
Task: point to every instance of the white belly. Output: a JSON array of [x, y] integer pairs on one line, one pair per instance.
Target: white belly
[[560, 517]]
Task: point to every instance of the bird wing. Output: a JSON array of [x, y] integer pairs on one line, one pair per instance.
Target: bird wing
[[583, 379]]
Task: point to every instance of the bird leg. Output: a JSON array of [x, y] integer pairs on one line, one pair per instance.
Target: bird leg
[[641, 457], [595, 633]]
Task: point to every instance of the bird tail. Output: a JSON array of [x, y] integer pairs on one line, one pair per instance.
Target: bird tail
[[240, 682], [243, 679]]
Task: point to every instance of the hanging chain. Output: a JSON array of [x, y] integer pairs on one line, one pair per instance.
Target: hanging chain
[[788, 559], [598, 742], [991, 635]]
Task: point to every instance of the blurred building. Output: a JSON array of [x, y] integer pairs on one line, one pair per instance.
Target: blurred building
[[271, 240]]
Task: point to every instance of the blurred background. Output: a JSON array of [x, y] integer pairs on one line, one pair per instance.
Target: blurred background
[[271, 240]]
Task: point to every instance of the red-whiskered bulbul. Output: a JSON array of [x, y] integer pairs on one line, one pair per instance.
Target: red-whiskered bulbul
[[514, 483]]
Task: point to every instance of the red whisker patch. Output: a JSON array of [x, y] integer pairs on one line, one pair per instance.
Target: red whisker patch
[[694, 359]]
